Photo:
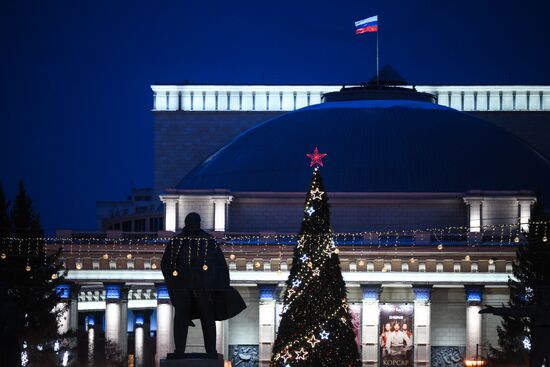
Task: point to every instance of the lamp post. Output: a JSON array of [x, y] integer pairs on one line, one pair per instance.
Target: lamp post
[[470, 362]]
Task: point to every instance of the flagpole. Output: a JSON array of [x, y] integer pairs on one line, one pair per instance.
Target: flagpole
[[377, 63]]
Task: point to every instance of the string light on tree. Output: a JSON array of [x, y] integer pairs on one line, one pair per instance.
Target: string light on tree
[[314, 306]]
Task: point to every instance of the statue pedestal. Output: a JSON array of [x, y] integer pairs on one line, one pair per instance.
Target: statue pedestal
[[193, 360]]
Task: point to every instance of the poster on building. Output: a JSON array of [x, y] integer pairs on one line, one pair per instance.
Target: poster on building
[[355, 313], [396, 334]]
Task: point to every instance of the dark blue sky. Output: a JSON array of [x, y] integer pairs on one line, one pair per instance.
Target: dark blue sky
[[75, 101]]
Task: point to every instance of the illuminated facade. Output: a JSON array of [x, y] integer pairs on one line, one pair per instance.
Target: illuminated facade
[[434, 201]]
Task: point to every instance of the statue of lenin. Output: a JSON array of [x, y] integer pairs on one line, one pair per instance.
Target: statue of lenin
[[197, 278]]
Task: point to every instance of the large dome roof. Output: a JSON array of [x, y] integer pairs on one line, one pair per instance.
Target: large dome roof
[[374, 146]]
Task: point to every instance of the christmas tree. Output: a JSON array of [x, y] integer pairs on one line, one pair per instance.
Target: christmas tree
[[523, 333], [29, 274], [315, 328]]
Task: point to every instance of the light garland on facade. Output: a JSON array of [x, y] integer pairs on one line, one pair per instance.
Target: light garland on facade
[[259, 246]]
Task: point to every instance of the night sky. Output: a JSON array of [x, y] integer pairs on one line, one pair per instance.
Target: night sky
[[76, 101]]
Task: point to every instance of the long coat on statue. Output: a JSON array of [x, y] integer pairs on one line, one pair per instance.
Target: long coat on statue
[[200, 267]]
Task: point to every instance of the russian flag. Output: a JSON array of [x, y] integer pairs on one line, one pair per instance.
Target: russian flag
[[367, 25]]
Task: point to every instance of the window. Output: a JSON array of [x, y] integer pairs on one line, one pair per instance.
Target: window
[[127, 226], [139, 225], [156, 224]]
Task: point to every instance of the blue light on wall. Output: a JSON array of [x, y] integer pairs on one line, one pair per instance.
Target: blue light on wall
[[473, 294], [112, 292], [153, 321], [162, 293], [90, 320], [131, 319], [422, 294], [371, 293], [63, 291], [139, 320], [267, 292]]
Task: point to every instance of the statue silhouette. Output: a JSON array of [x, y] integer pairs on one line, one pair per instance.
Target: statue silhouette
[[197, 278]]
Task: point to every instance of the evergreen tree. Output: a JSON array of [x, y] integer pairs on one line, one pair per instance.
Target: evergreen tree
[[25, 222], [529, 299], [315, 328], [30, 272], [5, 225]]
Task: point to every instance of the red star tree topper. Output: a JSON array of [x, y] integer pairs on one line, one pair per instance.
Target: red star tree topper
[[316, 158]]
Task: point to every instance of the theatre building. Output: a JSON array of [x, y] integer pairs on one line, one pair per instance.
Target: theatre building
[[428, 203]]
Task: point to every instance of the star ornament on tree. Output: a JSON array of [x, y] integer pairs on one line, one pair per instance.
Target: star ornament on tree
[[316, 194], [313, 341], [316, 157]]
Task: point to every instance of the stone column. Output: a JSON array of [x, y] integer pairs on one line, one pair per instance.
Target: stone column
[[116, 299], [370, 324], [475, 213], [267, 321], [220, 337], [139, 338], [123, 344], [220, 212], [170, 214], [165, 323], [68, 294], [422, 316], [525, 213], [474, 297], [90, 326]]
